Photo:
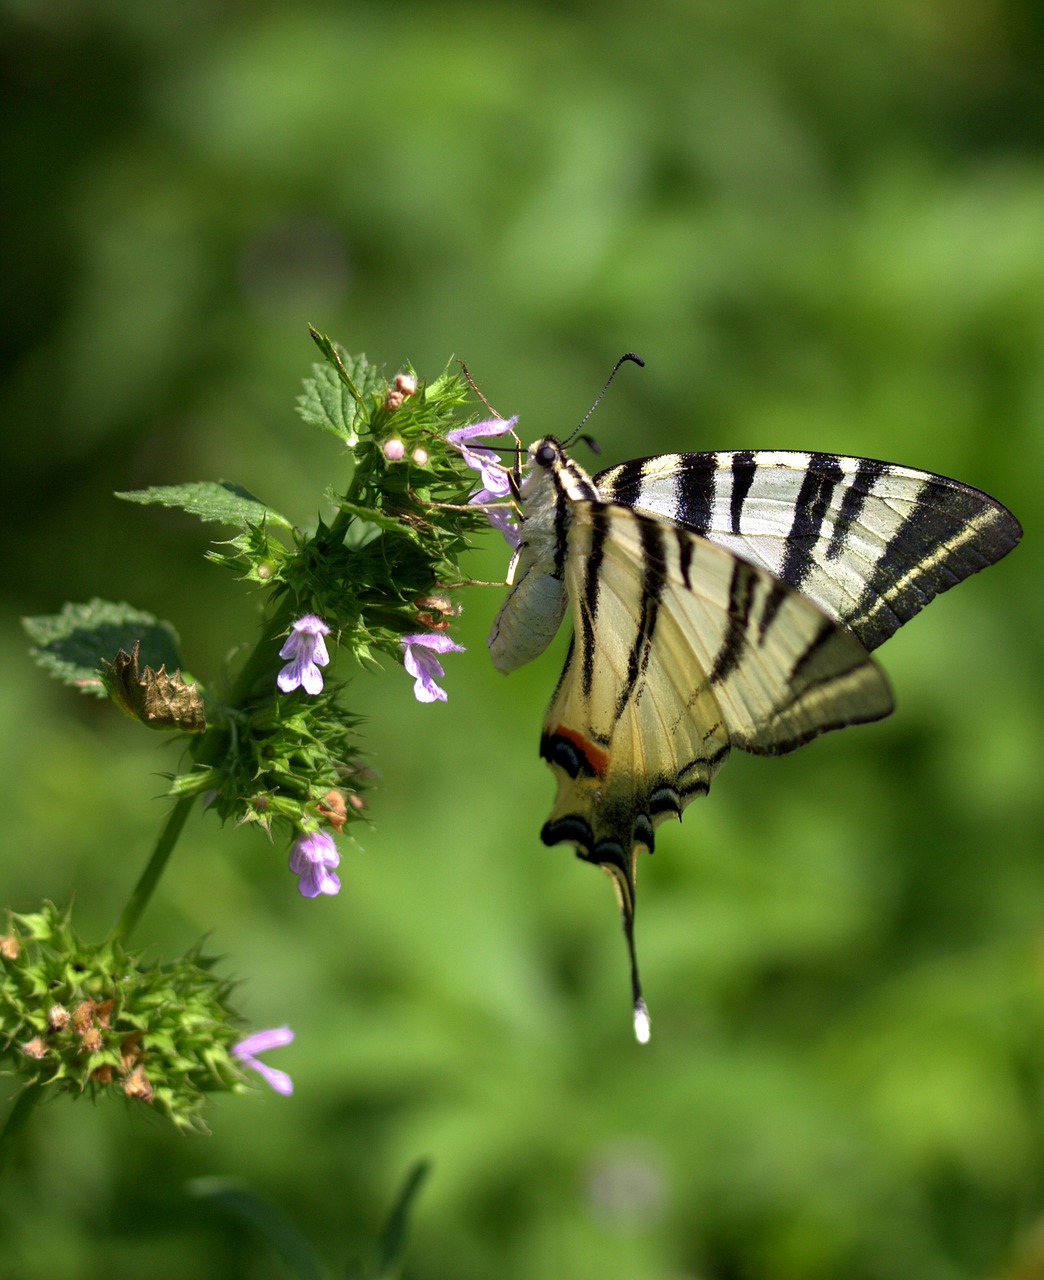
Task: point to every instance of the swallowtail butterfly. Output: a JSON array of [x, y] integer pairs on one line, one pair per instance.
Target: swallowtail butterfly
[[717, 600]]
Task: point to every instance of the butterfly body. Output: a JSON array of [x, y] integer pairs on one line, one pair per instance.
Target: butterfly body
[[530, 616], [717, 600]]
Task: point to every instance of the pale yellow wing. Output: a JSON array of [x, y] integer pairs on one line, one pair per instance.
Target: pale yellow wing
[[680, 650]]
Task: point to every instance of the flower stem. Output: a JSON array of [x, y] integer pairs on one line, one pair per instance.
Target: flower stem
[[23, 1108], [261, 662], [143, 890]]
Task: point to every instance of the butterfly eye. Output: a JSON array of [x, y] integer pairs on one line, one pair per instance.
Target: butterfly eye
[[545, 455]]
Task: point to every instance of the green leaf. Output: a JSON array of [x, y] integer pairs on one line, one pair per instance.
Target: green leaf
[[337, 396], [73, 644], [220, 501], [293, 1247], [391, 1247]]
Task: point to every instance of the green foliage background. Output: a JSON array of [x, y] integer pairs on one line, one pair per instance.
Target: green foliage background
[[822, 225]]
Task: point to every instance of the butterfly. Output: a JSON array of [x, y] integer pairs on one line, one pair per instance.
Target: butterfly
[[717, 600]]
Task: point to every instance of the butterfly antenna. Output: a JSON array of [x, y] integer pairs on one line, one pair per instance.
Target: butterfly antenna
[[627, 356], [474, 386]]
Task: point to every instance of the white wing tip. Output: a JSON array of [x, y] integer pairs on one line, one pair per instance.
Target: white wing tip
[[642, 1027]]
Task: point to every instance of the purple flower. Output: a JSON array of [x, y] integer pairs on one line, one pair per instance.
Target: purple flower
[[495, 481], [258, 1043], [485, 461], [420, 661], [499, 517], [306, 649], [311, 856]]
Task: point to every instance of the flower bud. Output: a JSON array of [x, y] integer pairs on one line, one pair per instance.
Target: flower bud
[[9, 947], [393, 399], [420, 456], [406, 383], [333, 808], [137, 1085], [130, 1050], [393, 449], [83, 1016], [439, 600], [35, 1048]]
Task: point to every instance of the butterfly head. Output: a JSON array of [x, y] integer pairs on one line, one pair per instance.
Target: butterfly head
[[547, 453], [551, 468]]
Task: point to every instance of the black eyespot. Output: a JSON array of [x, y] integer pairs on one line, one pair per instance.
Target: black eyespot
[[544, 455]]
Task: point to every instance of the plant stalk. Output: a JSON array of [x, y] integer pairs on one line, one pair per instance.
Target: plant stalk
[[24, 1105], [143, 890]]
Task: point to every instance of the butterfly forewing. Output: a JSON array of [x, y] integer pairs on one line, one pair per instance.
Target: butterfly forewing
[[870, 542]]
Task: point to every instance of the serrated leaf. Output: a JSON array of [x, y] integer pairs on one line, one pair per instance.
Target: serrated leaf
[[291, 1245], [337, 397], [220, 501], [73, 644]]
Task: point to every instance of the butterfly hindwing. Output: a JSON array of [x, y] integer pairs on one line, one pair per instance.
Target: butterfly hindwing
[[870, 542], [680, 651]]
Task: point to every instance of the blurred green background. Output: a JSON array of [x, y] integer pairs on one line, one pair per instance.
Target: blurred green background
[[822, 225]]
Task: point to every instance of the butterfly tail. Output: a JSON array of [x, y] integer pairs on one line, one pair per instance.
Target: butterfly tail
[[623, 880], [621, 869]]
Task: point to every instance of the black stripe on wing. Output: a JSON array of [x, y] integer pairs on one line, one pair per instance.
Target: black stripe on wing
[[587, 622], [951, 532], [822, 476], [827, 662], [852, 504], [744, 469], [741, 597], [654, 582]]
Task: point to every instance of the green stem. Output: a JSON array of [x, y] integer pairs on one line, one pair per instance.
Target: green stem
[[143, 890], [23, 1108], [259, 665]]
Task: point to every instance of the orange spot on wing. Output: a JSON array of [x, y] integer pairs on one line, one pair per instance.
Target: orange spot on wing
[[596, 758]]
